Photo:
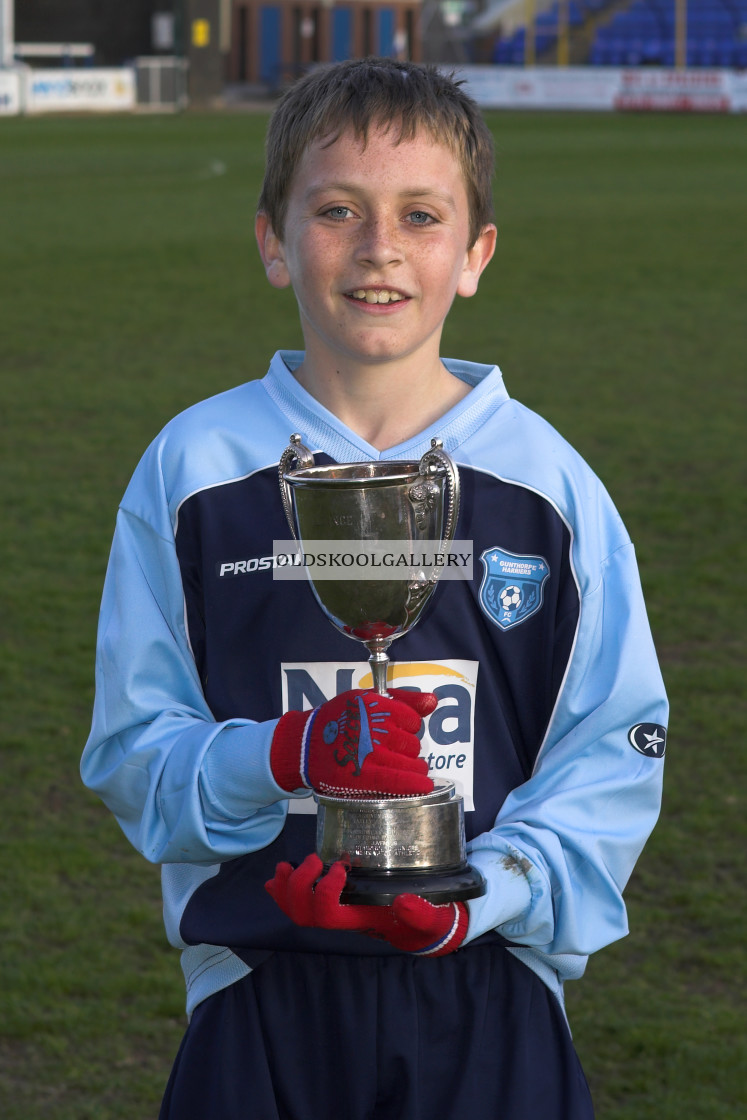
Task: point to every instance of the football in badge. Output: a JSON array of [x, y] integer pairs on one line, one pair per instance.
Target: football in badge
[[512, 588], [510, 598]]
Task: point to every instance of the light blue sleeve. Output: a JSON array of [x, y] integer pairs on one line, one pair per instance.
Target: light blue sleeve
[[566, 841], [183, 787]]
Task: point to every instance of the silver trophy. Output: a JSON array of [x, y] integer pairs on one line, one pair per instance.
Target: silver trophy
[[393, 844]]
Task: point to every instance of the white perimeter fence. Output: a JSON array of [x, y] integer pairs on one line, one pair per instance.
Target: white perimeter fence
[[159, 84], [600, 88], [150, 84]]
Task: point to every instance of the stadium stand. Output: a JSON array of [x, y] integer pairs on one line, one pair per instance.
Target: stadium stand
[[642, 34]]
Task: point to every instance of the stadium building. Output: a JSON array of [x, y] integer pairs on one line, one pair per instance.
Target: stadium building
[[253, 42], [273, 42], [234, 49]]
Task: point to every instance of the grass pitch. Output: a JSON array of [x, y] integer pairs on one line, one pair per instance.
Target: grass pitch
[[130, 288]]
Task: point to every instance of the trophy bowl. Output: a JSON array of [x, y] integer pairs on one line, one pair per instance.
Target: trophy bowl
[[391, 845]]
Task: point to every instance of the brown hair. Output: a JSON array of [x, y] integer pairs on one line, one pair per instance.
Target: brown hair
[[376, 92]]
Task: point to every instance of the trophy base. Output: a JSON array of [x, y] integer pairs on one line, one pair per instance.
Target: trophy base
[[400, 845], [381, 888]]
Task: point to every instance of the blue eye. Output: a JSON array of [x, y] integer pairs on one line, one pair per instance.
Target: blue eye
[[338, 213], [420, 218]]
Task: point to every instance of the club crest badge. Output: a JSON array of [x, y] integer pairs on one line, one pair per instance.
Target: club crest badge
[[512, 587]]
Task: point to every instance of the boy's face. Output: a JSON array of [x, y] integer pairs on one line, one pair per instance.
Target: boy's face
[[376, 246]]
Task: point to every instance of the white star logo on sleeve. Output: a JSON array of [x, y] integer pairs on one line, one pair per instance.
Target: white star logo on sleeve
[[648, 739]]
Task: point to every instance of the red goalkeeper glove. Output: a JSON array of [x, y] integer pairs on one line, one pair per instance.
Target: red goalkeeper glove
[[410, 923], [359, 744]]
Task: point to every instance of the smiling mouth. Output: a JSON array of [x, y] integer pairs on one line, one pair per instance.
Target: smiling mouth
[[376, 295]]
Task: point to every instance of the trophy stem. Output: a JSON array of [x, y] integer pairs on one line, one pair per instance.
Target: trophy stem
[[379, 662]]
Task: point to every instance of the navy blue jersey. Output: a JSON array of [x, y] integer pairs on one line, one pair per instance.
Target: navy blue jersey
[[551, 706]]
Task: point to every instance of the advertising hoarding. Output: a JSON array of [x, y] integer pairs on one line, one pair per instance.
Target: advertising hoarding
[[86, 89]]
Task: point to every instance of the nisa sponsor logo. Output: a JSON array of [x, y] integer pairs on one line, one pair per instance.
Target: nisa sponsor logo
[[447, 734]]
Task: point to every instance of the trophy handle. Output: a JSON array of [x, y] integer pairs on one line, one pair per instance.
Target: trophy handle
[[294, 457], [430, 462]]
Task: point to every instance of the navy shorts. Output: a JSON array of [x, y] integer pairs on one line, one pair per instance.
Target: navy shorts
[[470, 1036]]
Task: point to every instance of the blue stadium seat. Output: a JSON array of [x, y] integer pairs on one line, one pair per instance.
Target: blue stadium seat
[[644, 34], [652, 51]]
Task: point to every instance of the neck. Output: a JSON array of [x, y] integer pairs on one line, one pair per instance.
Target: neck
[[384, 406]]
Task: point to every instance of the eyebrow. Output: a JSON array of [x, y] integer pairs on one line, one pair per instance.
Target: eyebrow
[[412, 193]]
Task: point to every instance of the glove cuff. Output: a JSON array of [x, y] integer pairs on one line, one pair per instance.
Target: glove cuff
[[453, 937], [287, 750]]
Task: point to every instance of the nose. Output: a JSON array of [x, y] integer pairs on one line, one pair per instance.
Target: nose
[[380, 243]]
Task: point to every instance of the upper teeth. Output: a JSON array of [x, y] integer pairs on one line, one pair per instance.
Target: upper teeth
[[371, 296]]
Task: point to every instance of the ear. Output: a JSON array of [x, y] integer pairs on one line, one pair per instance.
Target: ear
[[476, 260], [271, 251]]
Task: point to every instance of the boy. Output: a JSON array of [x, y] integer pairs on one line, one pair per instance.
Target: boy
[[216, 692]]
